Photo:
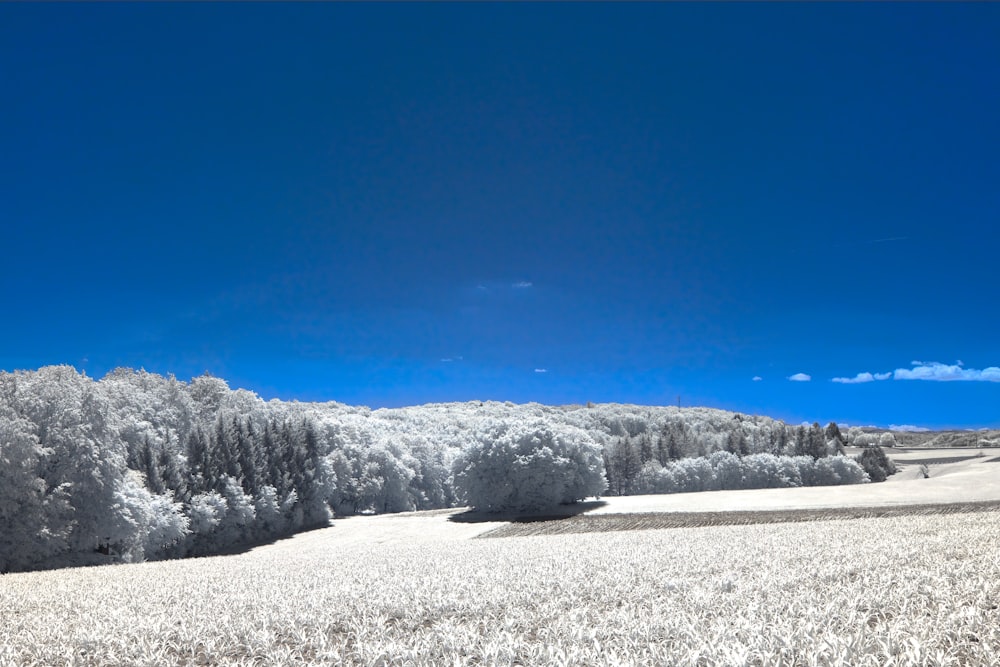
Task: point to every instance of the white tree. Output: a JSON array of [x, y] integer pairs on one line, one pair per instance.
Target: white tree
[[519, 466], [87, 458], [34, 520]]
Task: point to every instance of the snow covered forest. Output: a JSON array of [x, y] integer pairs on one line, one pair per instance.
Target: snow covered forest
[[141, 466]]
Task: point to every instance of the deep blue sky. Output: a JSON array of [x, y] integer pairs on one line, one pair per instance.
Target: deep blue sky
[[397, 204]]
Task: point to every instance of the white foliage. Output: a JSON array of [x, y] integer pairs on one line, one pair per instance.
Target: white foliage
[[723, 470], [143, 466], [149, 522], [206, 512], [519, 466], [887, 440]]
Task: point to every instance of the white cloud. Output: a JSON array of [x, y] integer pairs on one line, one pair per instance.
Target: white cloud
[[861, 378], [521, 285], [541, 370], [757, 378], [929, 370], [800, 377], [447, 359], [909, 428], [938, 372]]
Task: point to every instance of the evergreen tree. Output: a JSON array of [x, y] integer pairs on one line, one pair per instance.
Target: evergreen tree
[[801, 443], [248, 455], [645, 448], [172, 467], [666, 446], [624, 465], [203, 475], [781, 441], [835, 437], [151, 468], [225, 451], [816, 442]]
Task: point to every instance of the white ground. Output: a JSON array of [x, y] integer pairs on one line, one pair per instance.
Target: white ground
[[386, 530], [413, 589], [976, 479]]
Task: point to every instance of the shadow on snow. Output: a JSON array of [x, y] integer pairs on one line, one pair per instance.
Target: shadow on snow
[[553, 514]]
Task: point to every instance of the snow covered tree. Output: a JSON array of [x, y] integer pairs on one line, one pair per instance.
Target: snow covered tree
[[34, 519], [728, 470], [528, 466]]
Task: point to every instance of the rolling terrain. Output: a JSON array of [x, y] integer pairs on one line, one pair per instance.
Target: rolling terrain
[[919, 586]]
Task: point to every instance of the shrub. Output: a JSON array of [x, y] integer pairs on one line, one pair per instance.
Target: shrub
[[833, 470], [874, 462], [528, 466]]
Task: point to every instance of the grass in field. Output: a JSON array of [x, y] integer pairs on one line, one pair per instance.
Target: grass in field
[[415, 590], [607, 522]]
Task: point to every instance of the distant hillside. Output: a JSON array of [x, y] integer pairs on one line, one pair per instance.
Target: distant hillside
[[948, 438]]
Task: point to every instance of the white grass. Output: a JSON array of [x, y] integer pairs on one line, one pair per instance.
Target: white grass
[[977, 479], [415, 590]]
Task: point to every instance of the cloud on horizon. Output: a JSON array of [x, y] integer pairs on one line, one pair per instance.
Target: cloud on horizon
[[938, 372], [932, 371], [522, 284], [800, 377]]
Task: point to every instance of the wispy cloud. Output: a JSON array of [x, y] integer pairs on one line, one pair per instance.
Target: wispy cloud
[[521, 285], [800, 377], [862, 378], [541, 370], [938, 372], [757, 378]]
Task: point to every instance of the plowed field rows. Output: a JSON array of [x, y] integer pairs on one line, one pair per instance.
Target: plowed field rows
[[600, 523]]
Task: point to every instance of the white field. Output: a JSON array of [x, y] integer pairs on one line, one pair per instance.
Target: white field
[[976, 479], [417, 590]]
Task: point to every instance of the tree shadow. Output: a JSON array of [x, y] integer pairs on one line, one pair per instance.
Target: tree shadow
[[553, 514], [250, 545]]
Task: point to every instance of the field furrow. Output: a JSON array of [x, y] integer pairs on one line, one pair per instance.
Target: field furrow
[[599, 523]]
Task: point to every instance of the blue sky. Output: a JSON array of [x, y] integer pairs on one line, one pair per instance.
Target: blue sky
[[397, 204]]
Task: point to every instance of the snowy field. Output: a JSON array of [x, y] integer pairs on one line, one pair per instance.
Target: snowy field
[[972, 479], [418, 589]]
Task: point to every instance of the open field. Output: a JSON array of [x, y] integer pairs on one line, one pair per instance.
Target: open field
[[972, 479], [948, 439], [415, 589], [606, 522]]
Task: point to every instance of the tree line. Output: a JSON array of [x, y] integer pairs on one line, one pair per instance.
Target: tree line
[[139, 465]]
